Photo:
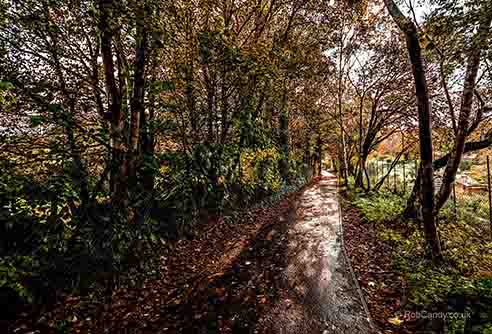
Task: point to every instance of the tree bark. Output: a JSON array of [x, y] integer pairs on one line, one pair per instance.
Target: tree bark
[[284, 136], [119, 193], [464, 116], [425, 134], [359, 179], [137, 103]]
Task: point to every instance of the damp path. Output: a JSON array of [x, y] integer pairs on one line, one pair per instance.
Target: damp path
[[322, 296]]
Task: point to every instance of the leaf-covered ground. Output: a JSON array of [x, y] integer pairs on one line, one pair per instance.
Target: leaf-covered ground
[[384, 288], [219, 280], [272, 270]]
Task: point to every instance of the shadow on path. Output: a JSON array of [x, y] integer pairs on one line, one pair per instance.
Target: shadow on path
[[322, 297]]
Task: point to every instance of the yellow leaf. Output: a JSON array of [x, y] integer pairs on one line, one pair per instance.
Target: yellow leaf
[[395, 321]]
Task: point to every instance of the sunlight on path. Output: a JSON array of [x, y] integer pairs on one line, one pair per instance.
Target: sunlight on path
[[322, 297]]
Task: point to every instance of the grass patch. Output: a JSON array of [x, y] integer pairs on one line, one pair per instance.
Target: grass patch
[[378, 207], [465, 275]]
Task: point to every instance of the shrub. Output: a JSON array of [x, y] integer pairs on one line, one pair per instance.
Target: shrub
[[49, 246]]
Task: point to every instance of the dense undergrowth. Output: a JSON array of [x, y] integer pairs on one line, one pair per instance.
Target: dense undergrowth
[[50, 248], [462, 283]]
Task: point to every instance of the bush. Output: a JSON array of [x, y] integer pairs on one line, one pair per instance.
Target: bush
[[48, 246], [465, 165]]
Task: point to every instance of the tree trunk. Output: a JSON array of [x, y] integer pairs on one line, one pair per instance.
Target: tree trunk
[[425, 134], [284, 136], [359, 179], [119, 195], [189, 74], [344, 161], [148, 142], [79, 172], [137, 103], [307, 171], [464, 116]]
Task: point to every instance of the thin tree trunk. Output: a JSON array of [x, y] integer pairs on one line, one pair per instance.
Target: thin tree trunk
[[378, 185], [284, 135], [307, 156], [79, 171], [189, 73], [119, 195], [137, 103], [319, 153], [464, 116], [345, 165], [359, 180]]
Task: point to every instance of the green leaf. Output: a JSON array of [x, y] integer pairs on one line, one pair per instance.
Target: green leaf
[[55, 108], [36, 120], [163, 86], [5, 85]]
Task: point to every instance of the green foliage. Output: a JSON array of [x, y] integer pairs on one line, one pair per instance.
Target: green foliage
[[35, 228], [430, 285], [456, 326], [62, 327], [468, 257], [260, 169], [214, 174], [46, 245], [464, 246], [133, 251], [158, 86], [13, 272], [485, 286], [36, 120], [5, 85], [378, 207], [7, 97], [465, 165], [350, 181], [487, 329]]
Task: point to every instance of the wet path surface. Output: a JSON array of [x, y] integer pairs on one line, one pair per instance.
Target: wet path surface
[[322, 297]]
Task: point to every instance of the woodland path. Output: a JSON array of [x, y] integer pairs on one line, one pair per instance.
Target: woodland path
[[323, 296]]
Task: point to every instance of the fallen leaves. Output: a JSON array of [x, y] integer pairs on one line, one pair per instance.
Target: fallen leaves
[[371, 260], [221, 280]]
